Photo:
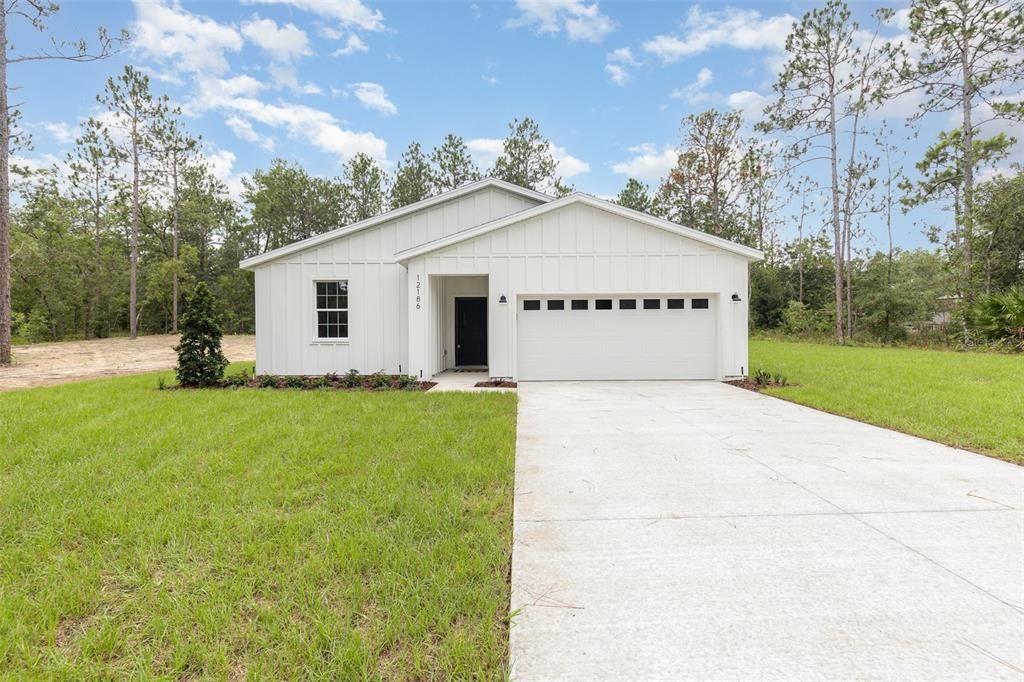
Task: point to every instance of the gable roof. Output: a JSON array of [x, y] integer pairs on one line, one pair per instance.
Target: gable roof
[[429, 202], [587, 200]]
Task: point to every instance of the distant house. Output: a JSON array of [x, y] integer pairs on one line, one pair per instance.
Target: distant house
[[944, 307], [491, 275]]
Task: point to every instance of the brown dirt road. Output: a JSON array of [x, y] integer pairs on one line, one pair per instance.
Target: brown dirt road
[[46, 364]]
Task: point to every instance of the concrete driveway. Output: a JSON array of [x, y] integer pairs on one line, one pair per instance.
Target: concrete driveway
[[679, 530]]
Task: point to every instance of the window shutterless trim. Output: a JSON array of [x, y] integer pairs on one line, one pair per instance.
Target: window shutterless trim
[[330, 306]]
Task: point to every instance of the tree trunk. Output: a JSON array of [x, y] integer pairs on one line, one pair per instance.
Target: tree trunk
[[174, 252], [837, 230], [5, 201], [133, 321], [967, 103]]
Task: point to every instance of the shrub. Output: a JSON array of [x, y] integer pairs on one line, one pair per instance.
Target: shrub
[[295, 382], [379, 380], [268, 381], [236, 380], [352, 379], [319, 382], [1000, 317], [800, 320], [407, 383], [200, 359], [764, 378]]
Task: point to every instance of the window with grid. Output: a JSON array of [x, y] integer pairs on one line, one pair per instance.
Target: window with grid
[[332, 309]]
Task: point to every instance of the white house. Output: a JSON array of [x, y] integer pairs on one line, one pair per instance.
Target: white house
[[493, 275]]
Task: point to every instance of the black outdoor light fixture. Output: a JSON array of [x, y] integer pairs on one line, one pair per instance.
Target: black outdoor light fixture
[[736, 298], [502, 299]]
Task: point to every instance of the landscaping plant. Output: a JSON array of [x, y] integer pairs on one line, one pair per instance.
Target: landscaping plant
[[1000, 317], [200, 359]]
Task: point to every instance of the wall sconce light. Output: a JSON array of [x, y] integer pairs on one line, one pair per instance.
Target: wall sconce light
[[736, 298], [502, 299]]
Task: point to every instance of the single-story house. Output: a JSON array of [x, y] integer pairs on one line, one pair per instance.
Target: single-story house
[[491, 275]]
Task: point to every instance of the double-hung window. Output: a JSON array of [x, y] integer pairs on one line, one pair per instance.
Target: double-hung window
[[332, 310]]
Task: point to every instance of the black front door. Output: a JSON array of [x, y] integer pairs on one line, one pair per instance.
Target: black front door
[[470, 331]]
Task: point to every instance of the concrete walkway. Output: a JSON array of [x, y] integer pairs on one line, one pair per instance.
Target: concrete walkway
[[681, 530]]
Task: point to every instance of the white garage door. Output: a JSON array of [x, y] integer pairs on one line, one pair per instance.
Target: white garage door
[[621, 337]]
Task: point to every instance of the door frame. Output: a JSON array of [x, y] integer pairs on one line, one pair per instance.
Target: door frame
[[455, 335]]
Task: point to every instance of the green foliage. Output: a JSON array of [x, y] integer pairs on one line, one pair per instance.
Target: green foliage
[[765, 379], [799, 320], [526, 159], [365, 187], [352, 379], [1000, 317], [452, 164], [407, 382], [380, 380], [414, 179], [200, 359], [637, 196]]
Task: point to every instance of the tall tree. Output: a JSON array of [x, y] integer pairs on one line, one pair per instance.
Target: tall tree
[[287, 204], [176, 151], [526, 159], [93, 183], [452, 164], [35, 12], [365, 187], [137, 118], [637, 196], [414, 179], [828, 81], [970, 56]]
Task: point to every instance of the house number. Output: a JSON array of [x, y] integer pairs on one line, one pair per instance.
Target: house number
[[418, 284]]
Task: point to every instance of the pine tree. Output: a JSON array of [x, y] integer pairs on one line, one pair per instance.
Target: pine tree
[[452, 164], [201, 361], [526, 159], [413, 179], [635, 195], [365, 187]]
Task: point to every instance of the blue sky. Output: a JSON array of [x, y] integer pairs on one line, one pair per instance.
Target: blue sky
[[316, 81]]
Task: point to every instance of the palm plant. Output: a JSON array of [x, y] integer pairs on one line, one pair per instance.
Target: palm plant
[[1000, 317]]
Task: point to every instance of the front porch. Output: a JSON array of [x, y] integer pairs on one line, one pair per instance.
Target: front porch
[[459, 336]]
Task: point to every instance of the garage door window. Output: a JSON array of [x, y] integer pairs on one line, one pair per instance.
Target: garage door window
[[531, 305], [676, 303], [556, 304], [699, 304], [627, 304], [580, 304], [652, 303], [603, 304]]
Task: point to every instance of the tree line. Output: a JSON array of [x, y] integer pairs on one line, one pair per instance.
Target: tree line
[[111, 239], [823, 159]]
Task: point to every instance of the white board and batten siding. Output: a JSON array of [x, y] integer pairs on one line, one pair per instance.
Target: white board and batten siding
[[581, 249], [377, 289]]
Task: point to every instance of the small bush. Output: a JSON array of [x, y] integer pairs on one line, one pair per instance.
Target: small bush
[[319, 382], [295, 382], [766, 379], [236, 380], [352, 379], [200, 359], [407, 383], [268, 381], [379, 380], [999, 318]]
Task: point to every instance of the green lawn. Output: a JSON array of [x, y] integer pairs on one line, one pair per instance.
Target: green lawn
[[969, 400], [268, 534]]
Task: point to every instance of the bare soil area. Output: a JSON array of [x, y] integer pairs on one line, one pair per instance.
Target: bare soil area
[[45, 364]]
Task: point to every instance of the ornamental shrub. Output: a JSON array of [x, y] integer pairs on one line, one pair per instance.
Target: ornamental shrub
[[200, 359]]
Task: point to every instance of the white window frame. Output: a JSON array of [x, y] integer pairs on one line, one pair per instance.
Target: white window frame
[[317, 310]]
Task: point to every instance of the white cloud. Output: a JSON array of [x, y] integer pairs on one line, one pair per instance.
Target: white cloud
[[285, 76], [568, 165], [318, 128], [239, 86], [222, 164], [579, 20], [736, 28], [372, 96], [694, 92], [490, 80], [243, 129], [346, 12], [751, 103], [61, 132], [616, 63], [616, 74], [283, 43], [649, 163], [193, 43], [486, 150], [352, 45]]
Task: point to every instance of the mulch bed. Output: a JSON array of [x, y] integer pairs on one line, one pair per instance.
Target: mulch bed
[[752, 385], [331, 382], [493, 383]]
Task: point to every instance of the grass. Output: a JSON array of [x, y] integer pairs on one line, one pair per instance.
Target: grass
[[969, 400], [247, 533]]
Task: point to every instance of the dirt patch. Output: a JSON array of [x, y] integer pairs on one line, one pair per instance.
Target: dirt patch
[[46, 364], [495, 383], [747, 384]]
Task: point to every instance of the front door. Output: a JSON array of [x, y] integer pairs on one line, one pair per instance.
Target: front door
[[470, 331]]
